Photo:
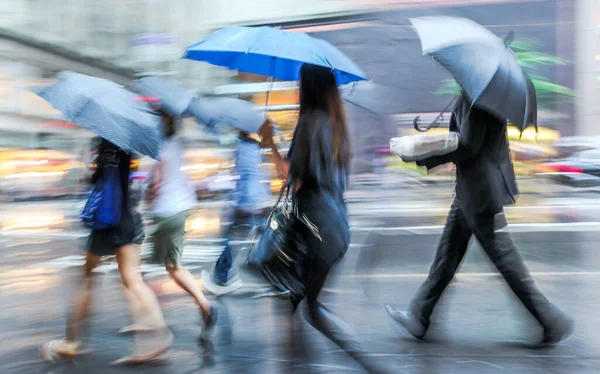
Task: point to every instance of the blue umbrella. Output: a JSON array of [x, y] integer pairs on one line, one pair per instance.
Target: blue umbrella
[[237, 113], [108, 110], [173, 99], [272, 52]]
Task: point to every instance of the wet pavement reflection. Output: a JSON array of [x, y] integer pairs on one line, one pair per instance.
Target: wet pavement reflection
[[478, 327]]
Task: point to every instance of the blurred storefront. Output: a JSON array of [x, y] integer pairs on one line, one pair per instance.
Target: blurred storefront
[[40, 154], [147, 36], [587, 66], [139, 37]]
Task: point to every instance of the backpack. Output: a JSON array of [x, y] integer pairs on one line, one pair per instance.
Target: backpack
[[104, 205]]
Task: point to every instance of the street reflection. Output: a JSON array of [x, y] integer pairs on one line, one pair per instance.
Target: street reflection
[[28, 280], [32, 221]]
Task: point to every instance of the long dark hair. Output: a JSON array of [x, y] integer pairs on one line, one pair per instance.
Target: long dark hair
[[169, 124], [319, 91]]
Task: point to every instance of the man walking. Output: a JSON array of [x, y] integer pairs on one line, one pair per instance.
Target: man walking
[[251, 206], [485, 182]]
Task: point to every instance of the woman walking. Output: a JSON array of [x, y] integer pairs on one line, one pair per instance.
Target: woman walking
[[123, 242], [317, 164]]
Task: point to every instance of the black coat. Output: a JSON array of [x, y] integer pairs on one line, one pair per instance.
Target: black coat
[[320, 199], [485, 177]]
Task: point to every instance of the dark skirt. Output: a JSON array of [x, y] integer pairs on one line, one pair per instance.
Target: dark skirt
[[107, 242]]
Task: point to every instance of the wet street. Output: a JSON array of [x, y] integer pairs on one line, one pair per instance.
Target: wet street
[[477, 328]]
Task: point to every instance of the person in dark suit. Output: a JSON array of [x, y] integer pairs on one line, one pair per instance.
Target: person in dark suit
[[485, 183]]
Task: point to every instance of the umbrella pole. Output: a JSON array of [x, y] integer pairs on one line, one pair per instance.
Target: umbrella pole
[[270, 80], [268, 97]]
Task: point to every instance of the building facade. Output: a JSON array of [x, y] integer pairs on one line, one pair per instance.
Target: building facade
[[122, 39]]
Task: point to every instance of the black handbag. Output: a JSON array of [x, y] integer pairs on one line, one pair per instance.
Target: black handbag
[[280, 252]]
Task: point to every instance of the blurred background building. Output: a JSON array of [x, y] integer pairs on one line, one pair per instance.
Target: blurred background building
[[556, 40]]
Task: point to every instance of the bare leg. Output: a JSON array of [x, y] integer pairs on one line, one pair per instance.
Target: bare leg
[[83, 298], [185, 280], [137, 313], [69, 347], [128, 258]]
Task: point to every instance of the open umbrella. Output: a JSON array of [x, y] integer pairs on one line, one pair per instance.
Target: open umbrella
[[171, 98], [210, 112], [237, 113], [372, 98], [108, 110], [482, 64], [272, 52]]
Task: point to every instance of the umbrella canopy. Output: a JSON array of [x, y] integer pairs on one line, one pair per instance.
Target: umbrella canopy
[[108, 110], [371, 97], [272, 52], [238, 113], [171, 98], [483, 65]]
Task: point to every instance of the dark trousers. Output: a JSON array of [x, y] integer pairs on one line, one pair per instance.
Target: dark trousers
[[239, 218], [499, 248], [321, 318]]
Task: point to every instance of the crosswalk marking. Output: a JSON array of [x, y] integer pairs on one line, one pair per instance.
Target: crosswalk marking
[[357, 226], [191, 254]]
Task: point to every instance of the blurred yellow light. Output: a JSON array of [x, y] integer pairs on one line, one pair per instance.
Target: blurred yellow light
[[276, 185], [23, 163], [544, 134], [35, 174], [33, 221], [202, 224], [200, 167]]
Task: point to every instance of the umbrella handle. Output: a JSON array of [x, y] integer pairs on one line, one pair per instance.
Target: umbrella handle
[[416, 124], [433, 124]]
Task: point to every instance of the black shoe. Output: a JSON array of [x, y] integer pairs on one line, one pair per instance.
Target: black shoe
[[558, 332], [410, 323], [210, 322]]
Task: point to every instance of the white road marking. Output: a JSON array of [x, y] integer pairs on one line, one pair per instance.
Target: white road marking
[[43, 235], [515, 227], [401, 209], [414, 230], [479, 275], [479, 362], [191, 254]]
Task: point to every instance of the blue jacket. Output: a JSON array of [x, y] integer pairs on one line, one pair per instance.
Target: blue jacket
[[252, 189]]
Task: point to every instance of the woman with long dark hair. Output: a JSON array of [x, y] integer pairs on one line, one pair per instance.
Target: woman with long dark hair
[[317, 165]]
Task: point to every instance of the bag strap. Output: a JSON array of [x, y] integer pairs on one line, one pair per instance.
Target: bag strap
[[284, 191]]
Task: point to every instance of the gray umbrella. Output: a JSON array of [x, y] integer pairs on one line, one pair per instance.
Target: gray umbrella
[[171, 98], [240, 114], [482, 64], [372, 98], [108, 110]]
